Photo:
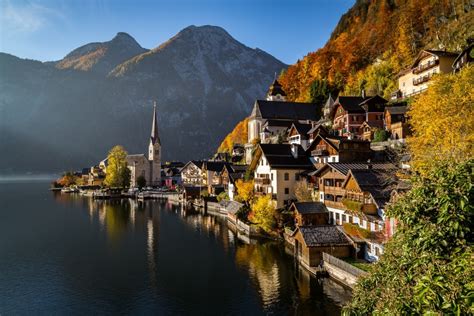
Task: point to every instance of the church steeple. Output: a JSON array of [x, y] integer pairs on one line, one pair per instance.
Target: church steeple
[[276, 92], [155, 137]]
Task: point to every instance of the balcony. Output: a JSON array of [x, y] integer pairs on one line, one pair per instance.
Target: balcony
[[428, 65], [334, 204], [262, 181], [320, 152], [359, 205], [421, 80], [334, 190]]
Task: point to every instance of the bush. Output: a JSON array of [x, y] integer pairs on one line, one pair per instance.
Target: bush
[[222, 196], [381, 135]]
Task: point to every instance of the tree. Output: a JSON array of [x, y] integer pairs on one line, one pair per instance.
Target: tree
[[380, 135], [245, 192], [118, 174], [263, 213], [141, 182], [427, 266], [67, 179], [442, 121], [303, 191], [222, 196]]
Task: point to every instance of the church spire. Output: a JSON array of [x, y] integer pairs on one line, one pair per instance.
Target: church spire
[[155, 138]]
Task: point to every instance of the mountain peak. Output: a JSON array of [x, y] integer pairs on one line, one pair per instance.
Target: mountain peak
[[122, 36]]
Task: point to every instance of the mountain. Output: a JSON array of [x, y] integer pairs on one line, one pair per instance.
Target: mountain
[[67, 115], [102, 57], [371, 43]]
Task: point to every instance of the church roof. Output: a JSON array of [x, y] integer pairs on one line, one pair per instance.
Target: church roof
[[276, 89], [155, 137], [282, 110]]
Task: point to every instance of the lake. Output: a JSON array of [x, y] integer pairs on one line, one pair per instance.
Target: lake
[[68, 254]]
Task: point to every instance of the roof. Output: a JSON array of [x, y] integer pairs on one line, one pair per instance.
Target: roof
[[301, 128], [438, 53], [154, 137], [197, 163], [344, 168], [372, 124], [394, 110], [320, 128], [215, 165], [351, 103], [279, 156], [231, 206], [309, 207], [276, 88], [373, 104], [283, 110], [466, 50], [277, 123], [323, 235]]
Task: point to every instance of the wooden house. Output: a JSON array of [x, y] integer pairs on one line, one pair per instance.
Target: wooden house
[[310, 213], [312, 241]]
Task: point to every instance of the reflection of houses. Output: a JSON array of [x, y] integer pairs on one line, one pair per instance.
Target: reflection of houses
[[278, 168], [312, 241], [428, 63], [310, 213], [271, 118]]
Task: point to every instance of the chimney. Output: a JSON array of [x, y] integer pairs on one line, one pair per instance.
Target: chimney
[[294, 150]]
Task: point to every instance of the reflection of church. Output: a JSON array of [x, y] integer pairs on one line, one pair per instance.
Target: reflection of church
[[147, 167]]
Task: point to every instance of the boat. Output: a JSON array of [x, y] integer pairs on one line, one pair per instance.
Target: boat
[[69, 190]]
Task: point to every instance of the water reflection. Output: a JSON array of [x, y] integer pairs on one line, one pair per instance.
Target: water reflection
[[179, 235]]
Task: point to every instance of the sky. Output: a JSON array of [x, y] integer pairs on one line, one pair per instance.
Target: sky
[[47, 30]]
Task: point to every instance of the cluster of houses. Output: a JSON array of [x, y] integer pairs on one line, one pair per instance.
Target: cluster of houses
[[330, 147]]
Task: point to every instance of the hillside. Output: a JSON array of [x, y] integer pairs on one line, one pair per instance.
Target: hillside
[[204, 82], [371, 43]]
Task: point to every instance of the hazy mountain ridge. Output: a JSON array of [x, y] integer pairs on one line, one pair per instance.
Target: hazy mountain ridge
[[203, 80]]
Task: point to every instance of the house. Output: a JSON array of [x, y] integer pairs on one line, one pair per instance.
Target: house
[[464, 58], [315, 130], [396, 121], [327, 110], [171, 174], [330, 184], [212, 175], [229, 175], [416, 79], [349, 112], [310, 213], [278, 167], [192, 173], [274, 116], [367, 130], [312, 241], [298, 134], [330, 148]]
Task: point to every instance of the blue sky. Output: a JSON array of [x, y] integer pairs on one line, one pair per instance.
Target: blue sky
[[49, 29]]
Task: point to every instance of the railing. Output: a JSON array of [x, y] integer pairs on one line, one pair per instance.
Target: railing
[[421, 80], [334, 204], [347, 267], [334, 190], [428, 65]]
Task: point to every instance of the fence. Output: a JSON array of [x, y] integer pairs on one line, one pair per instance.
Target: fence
[[347, 267]]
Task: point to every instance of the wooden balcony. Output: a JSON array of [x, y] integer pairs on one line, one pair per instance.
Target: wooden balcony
[[262, 181], [334, 190], [334, 204], [430, 64], [320, 152]]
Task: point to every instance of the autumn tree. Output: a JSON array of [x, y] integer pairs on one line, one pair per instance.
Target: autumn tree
[[118, 174], [442, 121], [245, 191], [67, 179], [263, 213], [303, 191]]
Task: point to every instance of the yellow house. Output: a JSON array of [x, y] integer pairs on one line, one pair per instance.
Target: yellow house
[[416, 79]]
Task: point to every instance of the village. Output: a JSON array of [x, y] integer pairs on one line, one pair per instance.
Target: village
[[325, 179]]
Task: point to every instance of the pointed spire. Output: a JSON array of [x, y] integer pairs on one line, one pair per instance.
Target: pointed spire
[[154, 127]]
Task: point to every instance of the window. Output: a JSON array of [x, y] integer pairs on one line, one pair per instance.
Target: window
[[287, 191], [287, 176], [377, 251], [343, 218]]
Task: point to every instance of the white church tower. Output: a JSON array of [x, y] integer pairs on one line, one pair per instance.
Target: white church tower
[[154, 152]]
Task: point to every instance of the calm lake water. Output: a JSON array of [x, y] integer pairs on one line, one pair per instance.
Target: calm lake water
[[67, 254]]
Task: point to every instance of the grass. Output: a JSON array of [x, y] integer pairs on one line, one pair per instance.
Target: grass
[[363, 265]]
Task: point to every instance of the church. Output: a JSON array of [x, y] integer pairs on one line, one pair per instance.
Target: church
[[148, 166]]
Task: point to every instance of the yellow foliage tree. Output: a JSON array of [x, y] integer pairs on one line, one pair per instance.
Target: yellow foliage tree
[[118, 174], [303, 191], [245, 192], [238, 136], [263, 213], [442, 120]]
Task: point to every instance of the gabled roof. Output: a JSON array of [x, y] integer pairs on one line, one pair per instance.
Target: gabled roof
[[344, 168], [320, 128], [215, 165], [394, 110], [437, 53], [309, 207], [373, 104], [277, 123], [466, 50], [350, 104], [323, 235], [197, 163], [301, 128], [276, 89], [279, 156], [379, 183], [283, 110]]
